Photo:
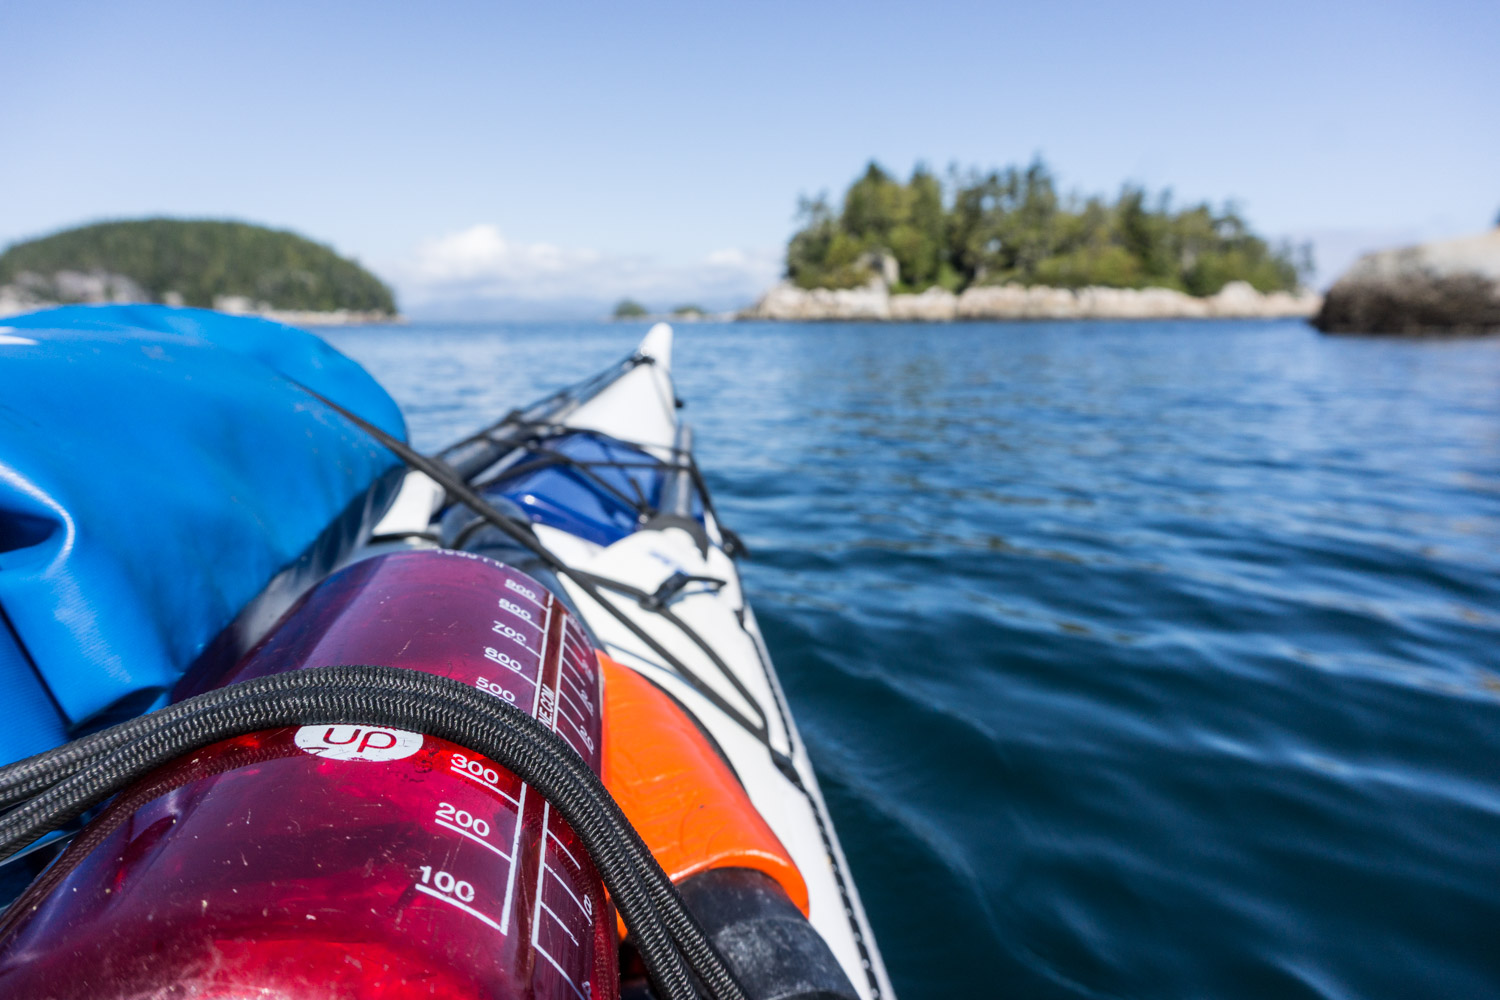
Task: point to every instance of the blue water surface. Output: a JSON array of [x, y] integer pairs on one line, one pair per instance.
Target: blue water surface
[[1137, 659]]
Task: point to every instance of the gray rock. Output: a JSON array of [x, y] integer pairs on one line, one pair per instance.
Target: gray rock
[[881, 265], [1452, 286], [936, 305], [72, 286], [788, 302]]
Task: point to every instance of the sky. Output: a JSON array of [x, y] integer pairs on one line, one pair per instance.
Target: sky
[[494, 160]]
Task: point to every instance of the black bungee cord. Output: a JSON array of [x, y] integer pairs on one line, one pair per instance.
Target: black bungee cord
[[590, 583]]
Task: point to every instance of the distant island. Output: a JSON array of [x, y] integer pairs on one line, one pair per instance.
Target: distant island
[[231, 266], [1006, 244], [630, 309]]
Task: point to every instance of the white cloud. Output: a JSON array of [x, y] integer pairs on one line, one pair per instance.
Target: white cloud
[[728, 258], [478, 265], [481, 254]]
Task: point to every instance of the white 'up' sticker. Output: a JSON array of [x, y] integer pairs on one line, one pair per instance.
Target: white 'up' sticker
[[358, 742]]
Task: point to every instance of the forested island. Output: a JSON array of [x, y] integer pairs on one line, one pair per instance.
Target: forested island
[[1009, 244], [233, 266]]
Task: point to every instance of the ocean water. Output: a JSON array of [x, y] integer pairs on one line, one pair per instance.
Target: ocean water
[[1153, 660]]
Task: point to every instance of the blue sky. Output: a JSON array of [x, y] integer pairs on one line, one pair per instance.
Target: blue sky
[[515, 159]]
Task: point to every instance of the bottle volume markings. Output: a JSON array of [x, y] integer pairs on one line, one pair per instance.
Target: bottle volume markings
[[490, 823], [551, 670], [514, 643], [575, 718], [563, 914], [563, 917], [476, 822]]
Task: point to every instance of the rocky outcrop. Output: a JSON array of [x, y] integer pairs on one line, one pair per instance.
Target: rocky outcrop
[[31, 291], [1012, 302], [236, 305], [936, 305], [787, 301], [13, 301], [1452, 286]]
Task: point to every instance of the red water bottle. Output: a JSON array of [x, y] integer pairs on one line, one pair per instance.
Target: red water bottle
[[349, 861]]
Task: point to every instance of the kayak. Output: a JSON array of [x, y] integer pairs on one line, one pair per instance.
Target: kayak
[[520, 736], [676, 549]]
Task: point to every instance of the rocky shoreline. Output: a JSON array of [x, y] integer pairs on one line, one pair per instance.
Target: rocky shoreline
[[310, 317], [875, 303], [14, 302]]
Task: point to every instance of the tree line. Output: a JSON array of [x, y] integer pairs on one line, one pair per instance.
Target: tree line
[[1014, 225]]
